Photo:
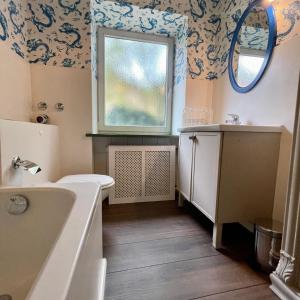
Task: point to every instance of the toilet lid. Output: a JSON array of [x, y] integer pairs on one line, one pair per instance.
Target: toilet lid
[[104, 180]]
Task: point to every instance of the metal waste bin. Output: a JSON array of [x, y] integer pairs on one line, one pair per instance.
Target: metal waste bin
[[268, 236]]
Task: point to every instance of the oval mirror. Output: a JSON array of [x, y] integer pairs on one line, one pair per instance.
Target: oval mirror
[[252, 46]]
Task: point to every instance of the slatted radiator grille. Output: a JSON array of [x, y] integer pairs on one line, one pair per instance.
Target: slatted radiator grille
[[142, 173], [128, 174], [157, 173]]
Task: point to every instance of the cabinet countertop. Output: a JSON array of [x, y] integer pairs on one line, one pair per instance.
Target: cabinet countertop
[[229, 127]]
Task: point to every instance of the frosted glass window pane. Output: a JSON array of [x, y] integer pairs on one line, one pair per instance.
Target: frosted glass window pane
[[135, 83]]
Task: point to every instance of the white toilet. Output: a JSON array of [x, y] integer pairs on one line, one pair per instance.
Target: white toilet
[[105, 181]]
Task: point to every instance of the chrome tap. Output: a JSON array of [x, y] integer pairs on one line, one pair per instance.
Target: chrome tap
[[27, 165]]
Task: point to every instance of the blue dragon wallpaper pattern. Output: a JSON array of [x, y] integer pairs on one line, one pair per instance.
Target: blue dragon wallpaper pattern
[[58, 32]]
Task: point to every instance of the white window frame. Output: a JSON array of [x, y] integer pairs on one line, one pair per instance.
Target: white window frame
[[121, 34]]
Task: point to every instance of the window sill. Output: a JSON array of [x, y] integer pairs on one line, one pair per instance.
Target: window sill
[[129, 135]]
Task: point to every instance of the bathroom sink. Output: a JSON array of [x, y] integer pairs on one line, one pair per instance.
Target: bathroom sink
[[231, 127]]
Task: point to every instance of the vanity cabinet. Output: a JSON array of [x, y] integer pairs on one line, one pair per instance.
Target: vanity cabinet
[[206, 172], [230, 176], [186, 150]]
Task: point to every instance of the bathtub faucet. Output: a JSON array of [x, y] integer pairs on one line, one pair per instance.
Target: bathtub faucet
[[27, 165]]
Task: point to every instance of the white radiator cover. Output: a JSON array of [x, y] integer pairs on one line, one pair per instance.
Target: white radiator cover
[[142, 173]]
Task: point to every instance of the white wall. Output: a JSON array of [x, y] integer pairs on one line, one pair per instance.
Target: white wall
[[272, 102], [15, 86], [72, 87], [35, 142], [178, 104], [23, 86], [199, 93]]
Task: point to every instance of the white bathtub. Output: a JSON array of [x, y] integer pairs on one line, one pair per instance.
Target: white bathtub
[[54, 249]]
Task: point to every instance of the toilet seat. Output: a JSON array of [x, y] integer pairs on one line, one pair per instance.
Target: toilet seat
[[106, 182]]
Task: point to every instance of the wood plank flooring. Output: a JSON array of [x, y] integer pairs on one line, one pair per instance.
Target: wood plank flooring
[[157, 251]]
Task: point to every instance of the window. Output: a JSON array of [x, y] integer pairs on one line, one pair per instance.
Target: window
[[135, 82]]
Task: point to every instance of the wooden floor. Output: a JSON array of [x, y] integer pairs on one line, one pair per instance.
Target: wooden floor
[[158, 251]]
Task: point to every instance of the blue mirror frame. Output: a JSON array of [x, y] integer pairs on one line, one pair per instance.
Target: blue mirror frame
[[271, 44]]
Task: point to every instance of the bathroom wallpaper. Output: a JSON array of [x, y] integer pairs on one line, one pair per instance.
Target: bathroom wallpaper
[[58, 32], [13, 25], [50, 32]]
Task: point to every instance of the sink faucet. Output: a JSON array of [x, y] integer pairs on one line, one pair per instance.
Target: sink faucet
[[235, 119]]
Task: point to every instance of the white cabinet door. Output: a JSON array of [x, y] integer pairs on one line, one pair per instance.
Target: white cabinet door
[[206, 172], [185, 160]]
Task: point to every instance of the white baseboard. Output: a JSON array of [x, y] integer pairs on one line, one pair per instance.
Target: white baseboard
[[283, 291]]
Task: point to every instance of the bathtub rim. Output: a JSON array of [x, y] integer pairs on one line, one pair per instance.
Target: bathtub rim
[[55, 276]]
